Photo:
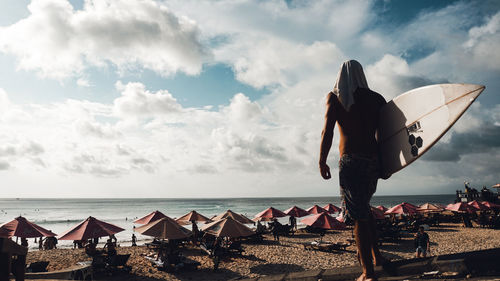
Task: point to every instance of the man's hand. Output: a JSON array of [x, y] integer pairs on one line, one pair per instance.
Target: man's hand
[[325, 171]]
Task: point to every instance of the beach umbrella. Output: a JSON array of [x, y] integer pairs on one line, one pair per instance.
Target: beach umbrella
[[331, 209], [324, 221], [192, 216], [90, 228], [156, 215], [233, 215], [382, 208], [460, 207], [269, 214], [21, 227], [377, 213], [429, 207], [227, 227], [496, 185], [315, 210], [296, 212], [165, 228], [490, 205], [478, 206], [402, 209]]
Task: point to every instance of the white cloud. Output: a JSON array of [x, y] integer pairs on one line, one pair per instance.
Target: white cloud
[[82, 82], [127, 34]]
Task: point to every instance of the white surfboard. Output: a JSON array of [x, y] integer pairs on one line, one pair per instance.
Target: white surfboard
[[413, 122]]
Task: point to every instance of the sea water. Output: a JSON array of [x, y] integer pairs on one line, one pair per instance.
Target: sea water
[[59, 215]]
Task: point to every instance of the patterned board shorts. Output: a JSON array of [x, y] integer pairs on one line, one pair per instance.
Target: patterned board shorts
[[358, 178]]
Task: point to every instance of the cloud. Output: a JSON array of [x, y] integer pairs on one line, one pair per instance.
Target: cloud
[[82, 82], [127, 34], [4, 165]]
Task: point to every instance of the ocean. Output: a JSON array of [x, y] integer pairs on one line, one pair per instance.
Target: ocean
[[58, 215]]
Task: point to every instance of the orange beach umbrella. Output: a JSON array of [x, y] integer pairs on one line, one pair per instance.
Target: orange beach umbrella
[[192, 216], [331, 209], [269, 214], [296, 212], [90, 228], [324, 221], [315, 210], [21, 227], [233, 215], [156, 215], [165, 228], [227, 227]]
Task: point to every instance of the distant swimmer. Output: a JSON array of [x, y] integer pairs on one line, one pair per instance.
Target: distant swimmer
[[355, 108]]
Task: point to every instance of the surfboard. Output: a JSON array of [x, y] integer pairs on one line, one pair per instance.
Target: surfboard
[[414, 121]]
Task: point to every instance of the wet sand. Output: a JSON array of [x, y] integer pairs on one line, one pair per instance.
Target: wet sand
[[288, 255]]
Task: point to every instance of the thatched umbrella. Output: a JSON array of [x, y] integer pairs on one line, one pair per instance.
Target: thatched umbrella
[[165, 228], [227, 227], [21, 227], [90, 228], [156, 215]]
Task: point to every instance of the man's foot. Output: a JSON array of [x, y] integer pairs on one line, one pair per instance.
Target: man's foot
[[363, 277]]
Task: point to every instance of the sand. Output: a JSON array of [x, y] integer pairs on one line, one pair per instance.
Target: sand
[[288, 255]]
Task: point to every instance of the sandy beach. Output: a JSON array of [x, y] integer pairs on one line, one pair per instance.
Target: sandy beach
[[288, 255]]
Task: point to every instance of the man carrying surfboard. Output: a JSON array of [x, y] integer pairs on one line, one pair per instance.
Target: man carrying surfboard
[[356, 109]]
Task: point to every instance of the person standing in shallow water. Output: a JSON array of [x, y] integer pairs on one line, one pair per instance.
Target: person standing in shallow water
[[355, 108]]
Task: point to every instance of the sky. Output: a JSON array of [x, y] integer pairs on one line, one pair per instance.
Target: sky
[[199, 98]]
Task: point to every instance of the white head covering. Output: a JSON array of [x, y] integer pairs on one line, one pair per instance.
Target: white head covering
[[350, 78]]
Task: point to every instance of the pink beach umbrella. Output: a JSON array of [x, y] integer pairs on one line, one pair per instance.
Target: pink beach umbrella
[[153, 216], [21, 227], [315, 210], [460, 207], [382, 208], [331, 209], [296, 212], [324, 221], [402, 209], [478, 206], [269, 214], [491, 206], [429, 207], [90, 228]]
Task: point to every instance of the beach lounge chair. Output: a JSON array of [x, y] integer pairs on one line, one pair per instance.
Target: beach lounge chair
[[174, 264], [39, 266]]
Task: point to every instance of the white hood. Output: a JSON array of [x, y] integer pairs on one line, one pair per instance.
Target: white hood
[[350, 78]]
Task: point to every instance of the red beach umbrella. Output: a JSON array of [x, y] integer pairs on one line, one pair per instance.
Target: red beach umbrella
[[315, 210], [156, 215], [227, 227], [460, 207], [296, 212], [269, 214], [402, 209], [490, 205], [165, 228], [21, 227], [478, 206], [192, 216], [233, 215], [331, 209], [90, 228], [382, 208], [324, 221]]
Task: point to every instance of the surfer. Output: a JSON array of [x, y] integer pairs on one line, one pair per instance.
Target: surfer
[[355, 108]]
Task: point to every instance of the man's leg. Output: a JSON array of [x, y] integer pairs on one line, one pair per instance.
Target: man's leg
[[363, 243], [378, 259]]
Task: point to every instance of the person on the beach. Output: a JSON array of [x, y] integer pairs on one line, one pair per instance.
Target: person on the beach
[[134, 239], [422, 243], [293, 222], [356, 109], [110, 248], [276, 228], [24, 242]]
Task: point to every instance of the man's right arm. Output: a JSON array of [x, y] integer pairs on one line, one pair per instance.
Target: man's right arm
[[327, 137]]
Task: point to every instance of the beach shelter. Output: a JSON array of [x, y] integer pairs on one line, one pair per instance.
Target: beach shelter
[[429, 207], [315, 210], [156, 215], [227, 227], [324, 221], [233, 215], [478, 206], [296, 212], [192, 216], [460, 207], [402, 209], [269, 214], [165, 228], [382, 208], [491, 206], [377, 213], [331, 209], [21, 227], [90, 228]]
